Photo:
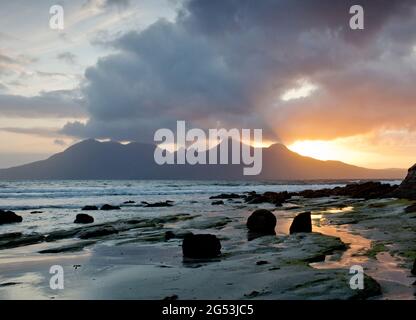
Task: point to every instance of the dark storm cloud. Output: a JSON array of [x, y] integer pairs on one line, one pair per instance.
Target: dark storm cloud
[[226, 63]]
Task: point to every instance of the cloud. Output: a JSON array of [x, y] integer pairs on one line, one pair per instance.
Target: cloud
[[227, 63], [62, 103], [67, 57], [59, 142], [3, 88], [42, 132], [10, 64], [119, 4]]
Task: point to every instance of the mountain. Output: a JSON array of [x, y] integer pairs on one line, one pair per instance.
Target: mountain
[[91, 159]]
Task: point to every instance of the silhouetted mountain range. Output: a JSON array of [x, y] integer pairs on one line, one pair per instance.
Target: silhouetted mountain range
[[91, 159]]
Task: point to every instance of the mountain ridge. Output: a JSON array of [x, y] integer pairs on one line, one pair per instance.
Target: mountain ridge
[[91, 159]]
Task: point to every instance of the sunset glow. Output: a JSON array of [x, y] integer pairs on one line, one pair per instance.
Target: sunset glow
[[322, 150]]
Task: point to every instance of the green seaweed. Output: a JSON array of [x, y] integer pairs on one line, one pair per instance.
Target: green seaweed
[[376, 248]]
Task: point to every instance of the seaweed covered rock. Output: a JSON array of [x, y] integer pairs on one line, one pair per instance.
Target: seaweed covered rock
[[262, 221], [200, 246], [301, 223]]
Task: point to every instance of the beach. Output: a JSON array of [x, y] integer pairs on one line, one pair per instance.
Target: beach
[[135, 259]]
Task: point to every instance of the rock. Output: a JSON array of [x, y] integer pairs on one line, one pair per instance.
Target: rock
[[171, 298], [366, 190], [83, 218], [177, 234], [213, 222], [167, 203], [227, 196], [413, 271], [129, 202], [410, 209], [80, 245], [109, 207], [90, 208], [262, 221], [261, 262], [9, 217], [407, 189], [36, 212], [216, 203], [97, 232], [22, 240], [276, 198], [201, 246], [9, 284], [322, 193], [10, 236], [61, 234], [252, 294], [301, 223], [169, 235]]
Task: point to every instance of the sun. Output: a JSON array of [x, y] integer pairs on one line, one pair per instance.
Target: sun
[[318, 149], [336, 149]]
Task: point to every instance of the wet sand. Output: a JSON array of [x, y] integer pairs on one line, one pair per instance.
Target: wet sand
[[139, 264]]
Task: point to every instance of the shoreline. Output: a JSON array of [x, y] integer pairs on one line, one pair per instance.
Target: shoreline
[[138, 262]]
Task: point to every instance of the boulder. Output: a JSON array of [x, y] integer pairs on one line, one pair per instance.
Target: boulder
[[129, 202], [9, 217], [407, 189], [262, 221], [301, 223], [200, 246], [83, 218], [90, 208], [109, 207], [216, 203]]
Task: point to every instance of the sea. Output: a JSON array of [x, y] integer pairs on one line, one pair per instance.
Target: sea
[[52, 205]]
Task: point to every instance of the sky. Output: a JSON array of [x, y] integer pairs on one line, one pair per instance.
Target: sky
[[121, 69]]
